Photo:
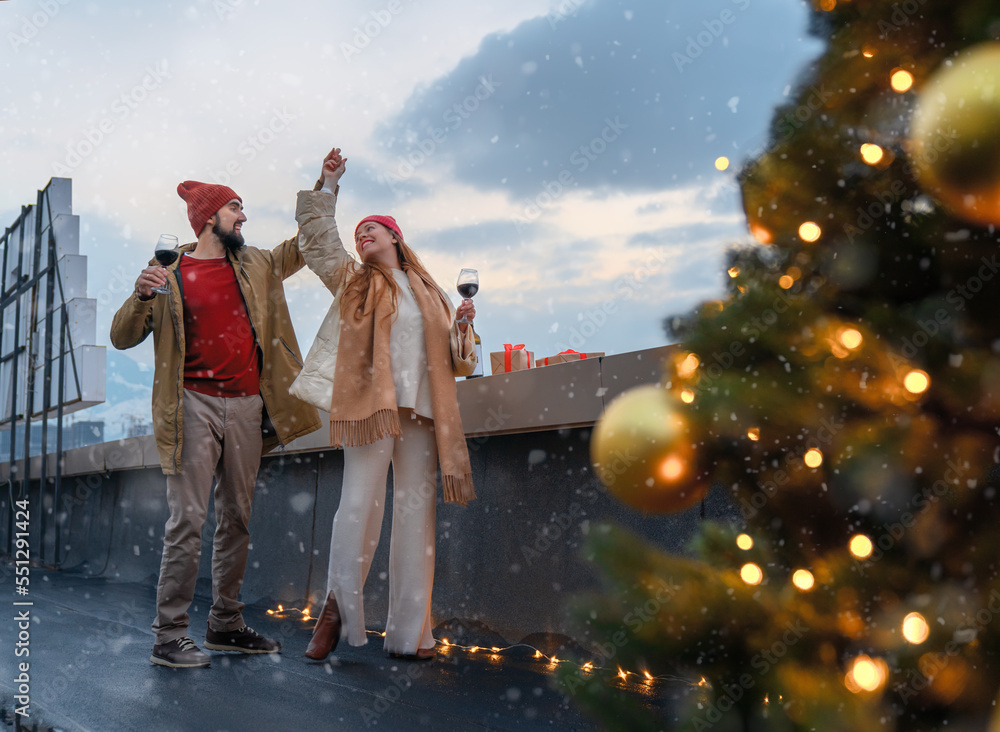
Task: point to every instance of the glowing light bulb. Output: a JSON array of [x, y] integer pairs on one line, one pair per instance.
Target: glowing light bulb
[[803, 579], [915, 628], [813, 458], [751, 574], [917, 381], [688, 366], [861, 546], [721, 163], [744, 542], [649, 676], [868, 51], [866, 674], [871, 153], [622, 674], [850, 337], [672, 468], [687, 396], [734, 272], [764, 236], [901, 80], [753, 433], [588, 666], [809, 231]]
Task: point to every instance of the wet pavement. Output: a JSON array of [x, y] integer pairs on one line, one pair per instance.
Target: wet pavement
[[88, 648]]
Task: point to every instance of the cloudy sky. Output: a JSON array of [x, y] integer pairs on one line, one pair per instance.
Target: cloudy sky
[[564, 148]]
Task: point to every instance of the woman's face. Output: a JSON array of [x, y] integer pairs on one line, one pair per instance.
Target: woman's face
[[374, 242]]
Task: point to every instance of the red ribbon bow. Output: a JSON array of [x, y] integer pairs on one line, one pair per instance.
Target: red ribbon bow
[[507, 348], [562, 353]]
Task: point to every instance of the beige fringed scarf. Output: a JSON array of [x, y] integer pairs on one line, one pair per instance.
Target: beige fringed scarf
[[364, 409]]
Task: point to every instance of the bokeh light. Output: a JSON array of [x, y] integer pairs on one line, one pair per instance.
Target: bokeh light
[[866, 674], [915, 628], [813, 458], [917, 381], [721, 163], [809, 231], [850, 338], [803, 579], [861, 546], [871, 153], [751, 574], [901, 80], [744, 542]]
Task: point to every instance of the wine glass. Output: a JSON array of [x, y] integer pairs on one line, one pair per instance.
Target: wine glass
[[468, 286], [166, 254]]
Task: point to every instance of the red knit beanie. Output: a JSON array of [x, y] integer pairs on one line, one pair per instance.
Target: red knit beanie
[[386, 221], [203, 200]]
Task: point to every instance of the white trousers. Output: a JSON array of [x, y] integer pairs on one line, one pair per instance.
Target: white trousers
[[358, 524]]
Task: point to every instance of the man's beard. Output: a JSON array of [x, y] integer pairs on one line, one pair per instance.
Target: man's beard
[[232, 240]]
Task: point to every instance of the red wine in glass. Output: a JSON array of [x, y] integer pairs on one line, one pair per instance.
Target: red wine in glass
[[468, 286], [166, 254]]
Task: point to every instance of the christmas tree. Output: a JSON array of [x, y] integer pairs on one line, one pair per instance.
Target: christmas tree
[[846, 393]]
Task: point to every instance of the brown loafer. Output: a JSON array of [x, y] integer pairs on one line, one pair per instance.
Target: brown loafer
[[326, 634]]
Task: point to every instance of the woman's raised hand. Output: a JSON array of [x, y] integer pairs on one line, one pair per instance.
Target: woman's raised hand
[[334, 166]]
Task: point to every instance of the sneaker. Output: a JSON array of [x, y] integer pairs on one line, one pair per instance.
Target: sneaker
[[179, 653], [244, 640]]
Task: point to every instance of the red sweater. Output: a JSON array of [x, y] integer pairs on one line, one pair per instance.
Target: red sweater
[[221, 354]]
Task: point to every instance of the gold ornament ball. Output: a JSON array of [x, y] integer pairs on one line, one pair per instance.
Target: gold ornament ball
[[955, 135], [641, 450]]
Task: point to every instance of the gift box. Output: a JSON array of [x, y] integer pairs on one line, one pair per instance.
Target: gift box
[[511, 358], [567, 355]]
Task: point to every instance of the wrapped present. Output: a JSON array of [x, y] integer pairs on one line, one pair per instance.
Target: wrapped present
[[567, 355], [511, 358]]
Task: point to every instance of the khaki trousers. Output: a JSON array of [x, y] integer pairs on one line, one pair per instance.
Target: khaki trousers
[[222, 439], [358, 524]]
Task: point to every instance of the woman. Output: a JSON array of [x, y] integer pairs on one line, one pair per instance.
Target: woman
[[383, 363]]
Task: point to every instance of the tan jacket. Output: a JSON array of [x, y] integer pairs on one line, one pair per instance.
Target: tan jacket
[[325, 254], [259, 273]]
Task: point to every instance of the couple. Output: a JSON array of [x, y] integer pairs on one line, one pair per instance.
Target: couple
[[229, 385]]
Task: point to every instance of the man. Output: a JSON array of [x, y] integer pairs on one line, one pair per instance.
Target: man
[[225, 356]]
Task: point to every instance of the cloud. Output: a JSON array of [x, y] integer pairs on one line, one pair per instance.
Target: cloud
[[636, 97]]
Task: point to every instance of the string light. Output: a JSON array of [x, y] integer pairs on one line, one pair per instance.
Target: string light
[[751, 574], [866, 674], [809, 231], [785, 282], [734, 272], [744, 542], [915, 628], [672, 468], [868, 51], [871, 153], [761, 234], [721, 162], [850, 338], [497, 652], [687, 396], [901, 80], [917, 381], [861, 546], [813, 457], [803, 579], [688, 366], [753, 433]]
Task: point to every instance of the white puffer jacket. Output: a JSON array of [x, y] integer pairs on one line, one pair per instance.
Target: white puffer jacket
[[325, 254]]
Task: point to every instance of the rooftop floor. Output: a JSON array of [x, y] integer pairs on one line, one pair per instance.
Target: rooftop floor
[[89, 669]]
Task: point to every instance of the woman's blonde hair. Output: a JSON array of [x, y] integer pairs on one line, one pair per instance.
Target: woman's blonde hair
[[360, 276]]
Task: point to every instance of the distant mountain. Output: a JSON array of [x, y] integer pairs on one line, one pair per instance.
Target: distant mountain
[[129, 391]]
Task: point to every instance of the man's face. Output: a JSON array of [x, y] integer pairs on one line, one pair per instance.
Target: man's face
[[228, 224]]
